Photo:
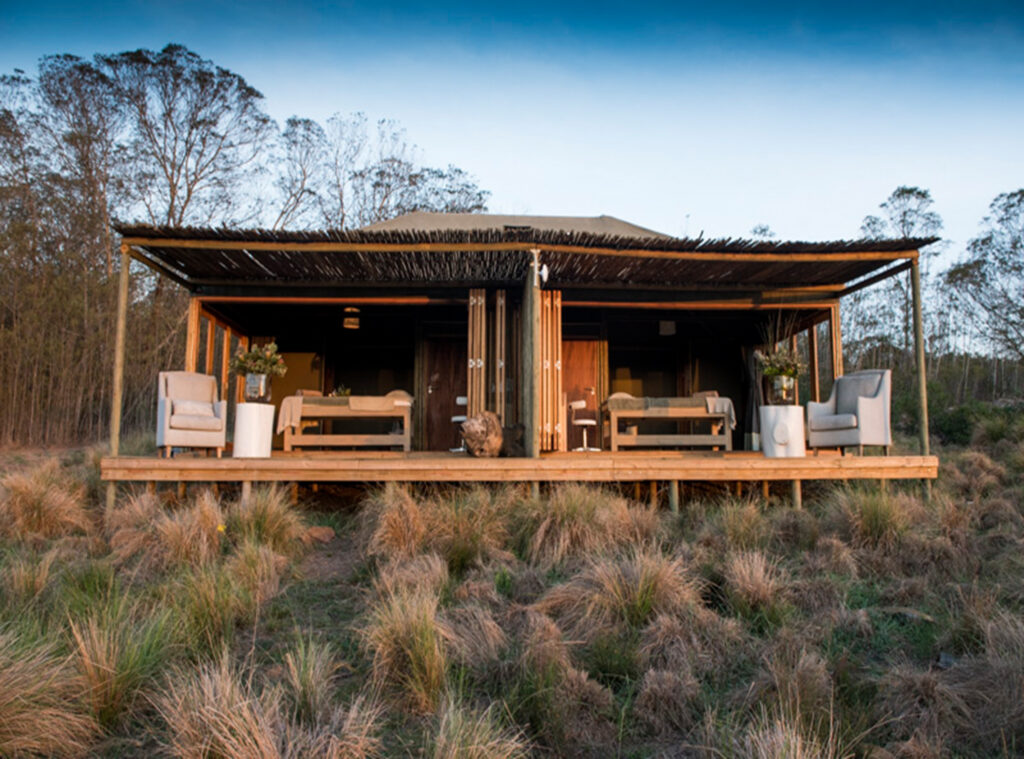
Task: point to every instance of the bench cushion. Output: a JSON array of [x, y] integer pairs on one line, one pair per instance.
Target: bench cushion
[[833, 422], [196, 422]]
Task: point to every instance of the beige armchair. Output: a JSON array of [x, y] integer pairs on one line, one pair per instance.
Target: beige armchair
[[188, 414], [856, 413]]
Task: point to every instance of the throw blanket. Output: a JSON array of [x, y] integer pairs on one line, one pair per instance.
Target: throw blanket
[[291, 407], [709, 401]]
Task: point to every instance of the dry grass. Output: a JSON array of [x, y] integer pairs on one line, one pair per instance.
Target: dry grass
[[698, 640], [209, 605], [398, 527], [974, 475], [920, 701], [43, 503], [192, 535], [743, 524], [469, 526], [580, 520], [610, 594], [256, 570], [467, 733], [118, 650], [875, 517], [780, 736], [477, 640], [667, 701], [132, 530], [269, 519], [426, 572], [214, 711], [351, 733], [24, 579], [42, 707], [408, 643], [311, 669], [753, 582]]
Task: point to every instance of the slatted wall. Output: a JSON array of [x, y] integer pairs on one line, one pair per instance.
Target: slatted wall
[[476, 376], [552, 411], [498, 363]]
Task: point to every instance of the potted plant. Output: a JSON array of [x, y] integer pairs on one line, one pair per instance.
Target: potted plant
[[258, 365], [780, 367]]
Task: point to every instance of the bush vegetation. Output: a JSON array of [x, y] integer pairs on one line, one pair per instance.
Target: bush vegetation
[[485, 623]]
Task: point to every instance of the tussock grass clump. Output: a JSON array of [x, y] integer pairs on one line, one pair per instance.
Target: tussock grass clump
[[25, 578], [256, 571], [915, 701], [215, 711], [408, 642], [426, 572], [578, 520], [269, 519], [467, 733], [612, 594], [467, 526], [743, 523], [42, 503], [192, 535], [699, 640], [667, 701], [397, 525], [311, 668], [754, 585], [477, 640], [118, 650], [132, 530], [42, 705], [781, 736], [874, 517], [209, 605], [974, 475], [350, 733], [797, 683]]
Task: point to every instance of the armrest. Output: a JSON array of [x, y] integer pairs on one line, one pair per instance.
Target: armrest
[[873, 417], [163, 412], [220, 410]]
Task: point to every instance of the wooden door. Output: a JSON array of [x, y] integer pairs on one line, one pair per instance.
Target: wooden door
[[444, 376], [581, 381]]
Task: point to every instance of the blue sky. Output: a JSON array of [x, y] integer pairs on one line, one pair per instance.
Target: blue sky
[[682, 117]]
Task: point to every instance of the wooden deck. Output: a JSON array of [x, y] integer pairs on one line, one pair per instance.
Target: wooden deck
[[632, 466]]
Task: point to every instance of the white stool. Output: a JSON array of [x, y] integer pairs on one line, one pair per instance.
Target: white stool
[[584, 424], [459, 419], [254, 430], [782, 431]]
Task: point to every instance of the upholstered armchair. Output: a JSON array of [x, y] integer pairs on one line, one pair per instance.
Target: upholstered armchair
[[856, 413], [188, 414]]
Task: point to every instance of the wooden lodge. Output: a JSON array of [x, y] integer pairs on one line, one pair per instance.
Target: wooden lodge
[[519, 315]]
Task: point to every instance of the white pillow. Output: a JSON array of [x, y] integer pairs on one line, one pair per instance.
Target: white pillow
[[193, 408]]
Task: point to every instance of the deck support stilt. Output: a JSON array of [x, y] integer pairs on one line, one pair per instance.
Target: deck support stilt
[[246, 492], [653, 495], [798, 497], [673, 496], [118, 379], [922, 379]]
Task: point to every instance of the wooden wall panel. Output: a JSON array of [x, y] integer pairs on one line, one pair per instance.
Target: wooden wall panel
[[552, 415], [477, 352]]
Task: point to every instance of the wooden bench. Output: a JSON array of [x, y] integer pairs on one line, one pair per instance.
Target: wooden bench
[[617, 410], [396, 405]]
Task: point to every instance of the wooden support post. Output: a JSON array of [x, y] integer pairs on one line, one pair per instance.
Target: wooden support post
[[225, 363], [794, 347], [120, 330], [836, 342], [246, 495], [673, 496], [653, 495], [797, 495], [922, 379], [812, 363], [243, 343], [531, 358], [192, 335], [211, 330]]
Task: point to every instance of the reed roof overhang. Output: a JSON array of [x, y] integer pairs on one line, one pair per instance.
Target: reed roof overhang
[[203, 258]]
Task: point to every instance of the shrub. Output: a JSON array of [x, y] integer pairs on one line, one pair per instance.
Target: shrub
[[42, 503], [398, 527], [409, 646], [578, 520], [42, 709], [466, 733], [118, 649], [310, 672], [610, 594], [213, 711], [267, 518]]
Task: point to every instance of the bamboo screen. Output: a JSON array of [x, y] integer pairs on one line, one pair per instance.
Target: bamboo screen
[[476, 390], [552, 407]]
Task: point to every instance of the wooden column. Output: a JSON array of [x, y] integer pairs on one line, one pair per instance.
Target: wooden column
[[243, 343], [812, 364], [835, 342], [922, 379], [531, 358], [211, 331], [476, 373], [118, 380], [192, 335], [225, 362]]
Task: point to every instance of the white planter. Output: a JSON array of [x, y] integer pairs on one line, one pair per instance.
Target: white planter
[[254, 430], [782, 431]]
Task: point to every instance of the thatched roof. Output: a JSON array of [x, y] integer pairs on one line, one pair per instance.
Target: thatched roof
[[426, 221], [490, 254]]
